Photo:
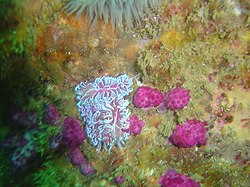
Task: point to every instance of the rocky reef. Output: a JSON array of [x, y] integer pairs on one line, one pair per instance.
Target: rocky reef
[[157, 95]]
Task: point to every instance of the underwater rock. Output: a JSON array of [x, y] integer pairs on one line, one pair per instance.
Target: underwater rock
[[51, 115], [176, 99], [174, 179], [192, 132], [146, 97], [72, 133]]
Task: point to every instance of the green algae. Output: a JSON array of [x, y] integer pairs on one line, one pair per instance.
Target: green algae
[[167, 126], [58, 172]]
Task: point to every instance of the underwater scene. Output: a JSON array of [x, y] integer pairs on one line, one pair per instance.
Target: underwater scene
[[130, 93]]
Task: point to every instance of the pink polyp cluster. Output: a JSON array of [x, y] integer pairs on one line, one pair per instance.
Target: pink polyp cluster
[[176, 99], [72, 133], [136, 125], [77, 159], [191, 133], [174, 179], [51, 115], [146, 97], [120, 179]]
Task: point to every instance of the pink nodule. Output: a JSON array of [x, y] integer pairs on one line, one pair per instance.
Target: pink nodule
[[192, 132], [177, 98], [146, 97], [72, 133], [135, 125], [173, 179]]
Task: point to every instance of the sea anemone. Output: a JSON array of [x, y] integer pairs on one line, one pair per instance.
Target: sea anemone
[[115, 11], [104, 109]]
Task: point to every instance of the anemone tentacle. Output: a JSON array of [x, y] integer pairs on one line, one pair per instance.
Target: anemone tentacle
[[115, 11], [104, 109]]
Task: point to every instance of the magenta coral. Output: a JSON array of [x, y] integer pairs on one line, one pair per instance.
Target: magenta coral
[[77, 159], [72, 133], [174, 179], [176, 98], [51, 115], [135, 125], [87, 169], [120, 179], [191, 133], [146, 97]]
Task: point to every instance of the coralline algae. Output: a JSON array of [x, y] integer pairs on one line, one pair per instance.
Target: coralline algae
[[102, 105]]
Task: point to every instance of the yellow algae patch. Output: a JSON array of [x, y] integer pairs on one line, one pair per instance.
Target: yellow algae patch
[[172, 39], [145, 157], [131, 51], [245, 36]]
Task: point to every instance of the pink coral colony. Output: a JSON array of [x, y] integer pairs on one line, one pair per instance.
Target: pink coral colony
[[136, 125], [77, 159], [146, 97], [192, 132], [72, 133], [51, 115], [120, 179], [174, 179], [176, 98]]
